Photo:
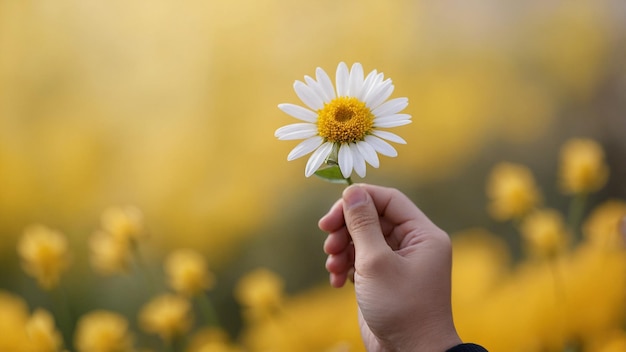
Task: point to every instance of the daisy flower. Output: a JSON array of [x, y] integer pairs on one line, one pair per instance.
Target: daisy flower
[[343, 125]]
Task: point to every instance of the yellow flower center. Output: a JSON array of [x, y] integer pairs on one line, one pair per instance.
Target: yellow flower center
[[344, 119]]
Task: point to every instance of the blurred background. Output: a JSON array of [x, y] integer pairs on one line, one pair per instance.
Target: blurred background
[[171, 107]]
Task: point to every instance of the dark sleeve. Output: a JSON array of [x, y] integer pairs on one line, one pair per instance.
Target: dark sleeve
[[467, 347]]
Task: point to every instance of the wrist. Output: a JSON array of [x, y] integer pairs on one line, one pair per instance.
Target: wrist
[[440, 340], [435, 338]]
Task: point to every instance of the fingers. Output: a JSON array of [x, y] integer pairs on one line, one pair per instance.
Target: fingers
[[395, 206], [369, 221], [340, 266], [333, 220], [338, 246], [340, 261], [362, 221], [338, 280], [337, 241], [400, 216]]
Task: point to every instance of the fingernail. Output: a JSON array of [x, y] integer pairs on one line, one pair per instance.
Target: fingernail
[[354, 195]]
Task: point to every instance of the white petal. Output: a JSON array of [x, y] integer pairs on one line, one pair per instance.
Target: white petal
[[367, 84], [317, 158], [356, 80], [326, 84], [345, 160], [296, 131], [368, 153], [342, 79], [376, 81], [389, 136], [315, 87], [390, 124], [358, 161], [298, 112], [379, 94], [391, 107], [305, 147], [392, 121], [308, 96], [381, 146]]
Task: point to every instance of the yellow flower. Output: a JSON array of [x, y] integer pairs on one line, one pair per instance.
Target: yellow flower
[[544, 232], [167, 315], [211, 340], [512, 191], [44, 255], [103, 331], [13, 318], [538, 307], [594, 276], [481, 260], [218, 347], [614, 341], [287, 332], [123, 222], [187, 272], [582, 168], [109, 254], [19, 332], [260, 291], [41, 332], [602, 227]]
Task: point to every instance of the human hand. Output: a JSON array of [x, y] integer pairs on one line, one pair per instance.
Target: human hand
[[402, 266]]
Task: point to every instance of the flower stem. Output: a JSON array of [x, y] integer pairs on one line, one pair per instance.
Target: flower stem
[[576, 209], [64, 314], [207, 309], [349, 181], [170, 346], [148, 277]]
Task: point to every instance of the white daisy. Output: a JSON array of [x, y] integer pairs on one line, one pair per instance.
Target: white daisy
[[342, 124]]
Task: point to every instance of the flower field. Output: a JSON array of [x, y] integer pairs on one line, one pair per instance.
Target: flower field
[[146, 204]]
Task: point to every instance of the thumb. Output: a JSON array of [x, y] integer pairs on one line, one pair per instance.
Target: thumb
[[362, 221]]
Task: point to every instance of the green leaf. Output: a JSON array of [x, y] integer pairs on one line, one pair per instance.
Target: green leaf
[[331, 173]]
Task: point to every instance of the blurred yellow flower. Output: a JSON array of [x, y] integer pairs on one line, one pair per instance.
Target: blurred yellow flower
[[102, 331], [109, 254], [542, 312], [216, 346], [261, 292], [597, 276], [44, 254], [512, 191], [288, 331], [582, 167], [481, 260], [187, 272], [168, 316], [41, 332], [13, 318], [123, 222], [602, 227], [615, 341], [211, 340], [544, 232]]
